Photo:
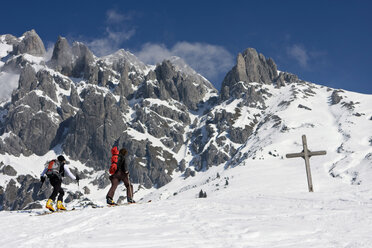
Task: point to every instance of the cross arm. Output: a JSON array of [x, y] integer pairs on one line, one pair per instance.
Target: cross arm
[[317, 153], [295, 155]]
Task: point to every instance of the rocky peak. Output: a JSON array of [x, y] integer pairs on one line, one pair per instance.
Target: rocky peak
[[121, 56], [181, 86], [31, 44], [80, 50], [251, 67], [62, 52], [165, 71], [72, 61], [9, 39], [84, 58], [180, 65]]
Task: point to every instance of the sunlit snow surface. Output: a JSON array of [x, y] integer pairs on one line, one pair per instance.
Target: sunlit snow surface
[[264, 204]]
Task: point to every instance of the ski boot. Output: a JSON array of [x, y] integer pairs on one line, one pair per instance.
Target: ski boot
[[60, 206], [110, 201], [49, 205], [130, 200]]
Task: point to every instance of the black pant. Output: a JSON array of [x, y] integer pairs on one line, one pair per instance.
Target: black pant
[[115, 180], [57, 189]]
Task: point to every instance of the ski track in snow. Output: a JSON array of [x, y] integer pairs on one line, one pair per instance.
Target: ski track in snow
[[264, 205], [260, 222]]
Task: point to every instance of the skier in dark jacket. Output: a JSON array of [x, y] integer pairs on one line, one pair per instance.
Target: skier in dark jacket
[[55, 170], [119, 172]]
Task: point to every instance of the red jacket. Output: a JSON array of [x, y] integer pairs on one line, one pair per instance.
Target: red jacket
[[114, 160]]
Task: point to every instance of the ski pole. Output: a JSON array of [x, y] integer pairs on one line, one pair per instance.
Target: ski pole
[[78, 179], [130, 188]]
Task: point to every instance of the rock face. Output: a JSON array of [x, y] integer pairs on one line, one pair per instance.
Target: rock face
[[252, 67], [8, 170], [94, 128], [84, 105], [20, 197], [214, 140], [31, 44], [62, 56], [75, 61], [175, 85], [29, 114], [335, 97]]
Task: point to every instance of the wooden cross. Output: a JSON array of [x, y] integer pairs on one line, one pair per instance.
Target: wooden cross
[[306, 154]]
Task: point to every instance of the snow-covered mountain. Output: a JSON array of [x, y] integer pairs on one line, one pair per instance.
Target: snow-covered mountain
[[179, 130]]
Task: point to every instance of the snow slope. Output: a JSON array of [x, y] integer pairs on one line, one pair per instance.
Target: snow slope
[[264, 204]]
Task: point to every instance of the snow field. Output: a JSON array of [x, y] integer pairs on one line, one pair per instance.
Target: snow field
[[265, 204]]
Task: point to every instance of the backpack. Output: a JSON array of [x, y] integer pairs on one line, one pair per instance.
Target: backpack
[[114, 160], [53, 168]]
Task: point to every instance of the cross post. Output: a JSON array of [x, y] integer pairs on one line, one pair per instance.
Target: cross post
[[306, 154]]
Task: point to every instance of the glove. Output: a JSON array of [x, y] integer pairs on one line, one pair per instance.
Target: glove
[[77, 178], [126, 174], [42, 179]]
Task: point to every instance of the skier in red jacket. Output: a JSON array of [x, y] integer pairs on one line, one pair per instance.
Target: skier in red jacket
[[119, 172]]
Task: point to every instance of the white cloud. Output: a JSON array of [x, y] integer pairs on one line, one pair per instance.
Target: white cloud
[[49, 51], [209, 60], [153, 53], [112, 16], [119, 36], [115, 34], [300, 54], [111, 42]]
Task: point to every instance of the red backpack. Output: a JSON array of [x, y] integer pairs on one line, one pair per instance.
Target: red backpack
[[114, 160], [53, 168]]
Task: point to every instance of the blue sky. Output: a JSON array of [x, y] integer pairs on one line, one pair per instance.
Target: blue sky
[[325, 42]]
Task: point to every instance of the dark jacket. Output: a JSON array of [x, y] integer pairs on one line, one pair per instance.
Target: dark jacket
[[122, 163]]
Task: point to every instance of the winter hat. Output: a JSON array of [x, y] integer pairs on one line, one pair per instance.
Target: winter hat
[[61, 158], [123, 151]]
